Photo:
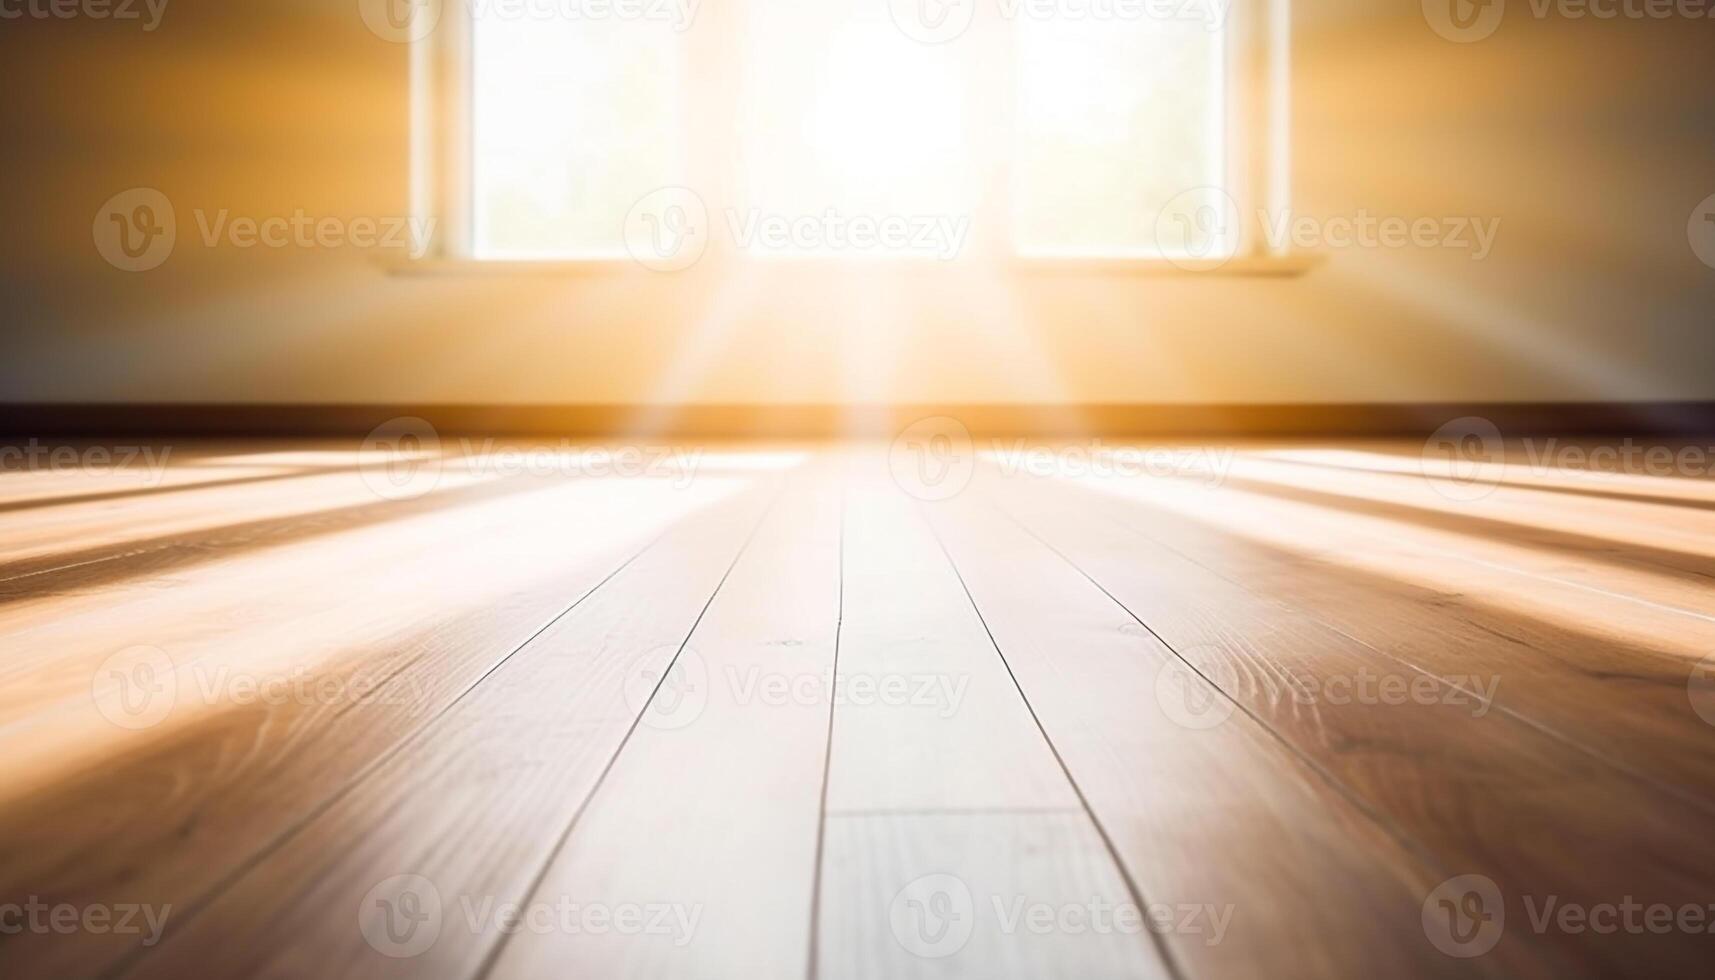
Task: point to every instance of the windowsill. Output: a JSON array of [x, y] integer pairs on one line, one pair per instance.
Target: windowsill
[[397, 266], [1278, 266], [1269, 265]]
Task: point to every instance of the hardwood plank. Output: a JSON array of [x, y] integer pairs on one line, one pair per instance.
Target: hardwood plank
[[1600, 672], [991, 895], [462, 818], [937, 767], [1207, 809], [712, 810], [1602, 543], [1427, 765], [930, 720]]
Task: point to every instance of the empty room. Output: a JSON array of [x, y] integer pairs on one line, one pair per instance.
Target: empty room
[[857, 489]]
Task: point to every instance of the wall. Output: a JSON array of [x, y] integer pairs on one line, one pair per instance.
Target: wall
[[1589, 140]]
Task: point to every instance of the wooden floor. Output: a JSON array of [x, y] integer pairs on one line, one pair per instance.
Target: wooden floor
[[1304, 713]]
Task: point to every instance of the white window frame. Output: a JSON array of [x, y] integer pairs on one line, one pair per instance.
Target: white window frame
[[1257, 153]]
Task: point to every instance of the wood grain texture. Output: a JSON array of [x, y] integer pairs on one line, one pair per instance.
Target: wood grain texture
[[1419, 753], [1175, 774], [462, 818], [269, 707], [785, 719], [709, 817], [929, 719], [998, 894]]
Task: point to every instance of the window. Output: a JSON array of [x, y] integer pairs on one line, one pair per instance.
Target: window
[[572, 121], [1061, 130]]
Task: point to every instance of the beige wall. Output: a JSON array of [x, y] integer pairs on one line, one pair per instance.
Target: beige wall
[[1590, 141]]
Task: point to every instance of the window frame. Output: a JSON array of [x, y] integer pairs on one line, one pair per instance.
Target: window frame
[[1257, 46]]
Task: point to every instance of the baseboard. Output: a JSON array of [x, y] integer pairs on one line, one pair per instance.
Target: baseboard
[[821, 421]]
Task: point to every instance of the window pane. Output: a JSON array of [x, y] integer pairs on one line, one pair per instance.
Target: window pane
[[1119, 125], [574, 120], [845, 116]]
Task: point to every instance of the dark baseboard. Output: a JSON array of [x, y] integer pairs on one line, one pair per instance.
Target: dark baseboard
[[821, 421]]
